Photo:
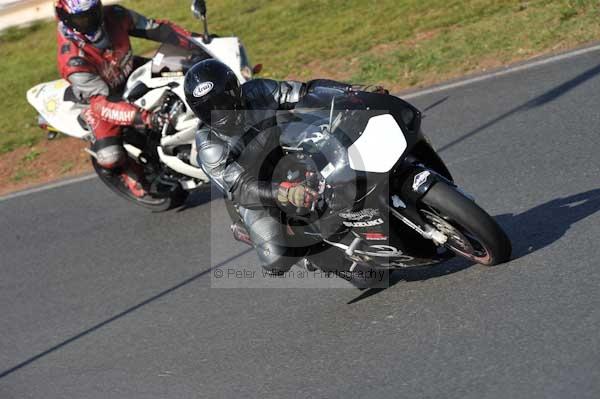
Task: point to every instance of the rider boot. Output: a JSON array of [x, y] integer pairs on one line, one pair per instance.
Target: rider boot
[[269, 239]]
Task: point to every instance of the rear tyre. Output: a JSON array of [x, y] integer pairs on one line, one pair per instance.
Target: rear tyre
[[117, 183], [471, 232]]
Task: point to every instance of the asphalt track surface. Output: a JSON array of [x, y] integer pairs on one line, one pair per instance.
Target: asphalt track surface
[[100, 299]]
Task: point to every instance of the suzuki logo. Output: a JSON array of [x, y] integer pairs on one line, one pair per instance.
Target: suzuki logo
[[420, 179]]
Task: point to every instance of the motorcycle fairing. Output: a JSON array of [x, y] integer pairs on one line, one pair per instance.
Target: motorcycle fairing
[[227, 50], [50, 101], [316, 132], [380, 146]]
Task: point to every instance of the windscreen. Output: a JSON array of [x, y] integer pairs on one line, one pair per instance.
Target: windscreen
[[172, 60], [325, 115]]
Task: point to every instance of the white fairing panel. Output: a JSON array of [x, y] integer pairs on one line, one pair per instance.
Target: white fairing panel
[[48, 100], [226, 50], [379, 147]]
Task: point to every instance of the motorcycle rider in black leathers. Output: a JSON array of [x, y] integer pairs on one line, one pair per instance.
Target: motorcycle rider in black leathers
[[238, 148]]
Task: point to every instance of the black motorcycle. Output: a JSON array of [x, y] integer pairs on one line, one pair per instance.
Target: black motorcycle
[[387, 200]]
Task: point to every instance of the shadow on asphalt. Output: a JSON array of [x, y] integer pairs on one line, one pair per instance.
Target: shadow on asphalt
[[529, 232], [435, 104], [120, 315], [545, 224], [545, 98], [197, 198]]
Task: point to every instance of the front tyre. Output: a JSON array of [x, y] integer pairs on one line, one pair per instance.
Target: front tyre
[[124, 185], [471, 232]]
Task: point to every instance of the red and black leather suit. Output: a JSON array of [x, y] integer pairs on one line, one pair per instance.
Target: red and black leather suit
[[97, 73]]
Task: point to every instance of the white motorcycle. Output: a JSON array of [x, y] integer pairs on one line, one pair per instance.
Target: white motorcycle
[[165, 160]]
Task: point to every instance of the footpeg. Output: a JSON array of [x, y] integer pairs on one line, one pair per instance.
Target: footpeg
[[353, 247], [91, 153]]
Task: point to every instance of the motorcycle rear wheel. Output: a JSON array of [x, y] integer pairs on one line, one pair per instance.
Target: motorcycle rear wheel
[[116, 183], [471, 232]]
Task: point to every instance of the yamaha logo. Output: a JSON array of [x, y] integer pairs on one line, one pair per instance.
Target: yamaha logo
[[203, 89]]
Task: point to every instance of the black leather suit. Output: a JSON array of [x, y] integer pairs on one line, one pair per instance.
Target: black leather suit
[[241, 164]]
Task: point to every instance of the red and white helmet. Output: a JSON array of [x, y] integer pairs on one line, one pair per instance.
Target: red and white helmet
[[82, 16]]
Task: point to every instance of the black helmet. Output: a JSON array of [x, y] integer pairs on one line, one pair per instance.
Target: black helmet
[[213, 92]]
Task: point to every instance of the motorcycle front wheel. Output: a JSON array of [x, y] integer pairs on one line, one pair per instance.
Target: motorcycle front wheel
[[471, 232], [125, 186]]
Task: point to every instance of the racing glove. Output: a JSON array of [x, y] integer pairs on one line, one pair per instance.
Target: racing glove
[[296, 194], [155, 120]]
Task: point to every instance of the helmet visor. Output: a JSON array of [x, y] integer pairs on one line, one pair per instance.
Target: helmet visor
[[87, 22]]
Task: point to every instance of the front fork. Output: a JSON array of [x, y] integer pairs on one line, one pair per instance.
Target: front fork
[[407, 187]]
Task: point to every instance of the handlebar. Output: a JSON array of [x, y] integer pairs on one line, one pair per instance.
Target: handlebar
[[313, 183]]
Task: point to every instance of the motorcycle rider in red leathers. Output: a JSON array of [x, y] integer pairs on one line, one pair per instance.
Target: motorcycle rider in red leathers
[[95, 56]]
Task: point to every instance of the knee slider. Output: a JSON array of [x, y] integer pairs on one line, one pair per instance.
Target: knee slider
[[110, 152]]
